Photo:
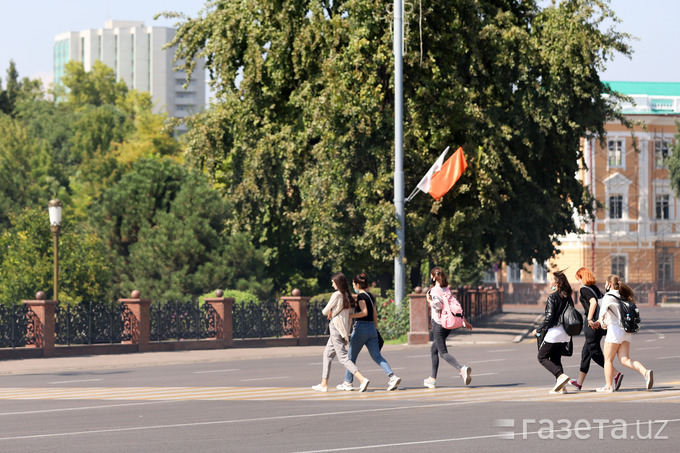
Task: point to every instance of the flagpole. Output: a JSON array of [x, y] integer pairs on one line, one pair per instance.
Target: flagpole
[[399, 261]]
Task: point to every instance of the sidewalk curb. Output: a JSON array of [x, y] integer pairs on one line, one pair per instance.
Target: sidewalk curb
[[521, 337]]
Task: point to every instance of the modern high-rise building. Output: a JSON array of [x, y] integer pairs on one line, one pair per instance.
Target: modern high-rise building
[[135, 53]]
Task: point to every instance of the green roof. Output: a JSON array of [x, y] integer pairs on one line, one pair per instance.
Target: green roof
[[646, 88]]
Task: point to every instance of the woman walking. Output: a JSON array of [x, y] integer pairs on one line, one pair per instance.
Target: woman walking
[[365, 333], [439, 334], [589, 294], [337, 309], [617, 340], [552, 337]]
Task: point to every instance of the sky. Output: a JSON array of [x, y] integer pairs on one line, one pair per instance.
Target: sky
[[28, 27]]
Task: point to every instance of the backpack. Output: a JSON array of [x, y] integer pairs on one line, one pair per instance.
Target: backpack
[[571, 320], [630, 315], [452, 312]]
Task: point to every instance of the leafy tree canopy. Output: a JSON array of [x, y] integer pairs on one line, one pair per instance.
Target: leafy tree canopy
[[301, 135]]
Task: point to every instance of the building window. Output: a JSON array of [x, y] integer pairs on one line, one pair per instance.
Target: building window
[[619, 266], [665, 268], [616, 206], [514, 273], [662, 203], [540, 274], [615, 153], [661, 150]]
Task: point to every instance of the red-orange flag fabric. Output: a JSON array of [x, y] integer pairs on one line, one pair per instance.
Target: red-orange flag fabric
[[451, 171]]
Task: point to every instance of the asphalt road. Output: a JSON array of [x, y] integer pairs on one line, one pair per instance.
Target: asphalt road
[[266, 404]]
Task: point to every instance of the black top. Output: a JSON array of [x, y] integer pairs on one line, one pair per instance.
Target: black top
[[586, 295], [553, 310], [368, 299]]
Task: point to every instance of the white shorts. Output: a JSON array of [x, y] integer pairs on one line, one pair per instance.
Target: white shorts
[[616, 334]]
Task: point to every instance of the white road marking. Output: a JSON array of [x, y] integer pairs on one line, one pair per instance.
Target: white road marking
[[265, 378], [487, 361], [215, 371]]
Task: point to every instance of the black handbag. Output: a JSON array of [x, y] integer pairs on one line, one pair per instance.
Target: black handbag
[[381, 342]]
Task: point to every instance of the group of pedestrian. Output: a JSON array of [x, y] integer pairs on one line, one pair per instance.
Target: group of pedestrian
[[602, 320], [340, 311]]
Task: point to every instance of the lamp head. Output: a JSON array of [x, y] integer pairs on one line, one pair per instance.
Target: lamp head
[[54, 207]]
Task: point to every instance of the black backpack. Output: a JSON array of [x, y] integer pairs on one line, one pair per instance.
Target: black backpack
[[630, 315], [571, 319]]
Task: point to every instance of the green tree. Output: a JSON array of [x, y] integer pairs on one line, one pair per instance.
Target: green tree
[[169, 228], [301, 138], [26, 261]]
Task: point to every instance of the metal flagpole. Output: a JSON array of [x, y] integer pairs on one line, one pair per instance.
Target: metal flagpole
[[399, 261]]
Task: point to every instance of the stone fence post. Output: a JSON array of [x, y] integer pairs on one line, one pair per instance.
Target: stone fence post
[[41, 321], [137, 320], [298, 313], [222, 319], [419, 318]]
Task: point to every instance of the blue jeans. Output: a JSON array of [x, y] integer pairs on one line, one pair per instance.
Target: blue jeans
[[365, 333]]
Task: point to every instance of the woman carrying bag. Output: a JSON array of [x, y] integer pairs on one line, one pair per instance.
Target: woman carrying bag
[[552, 337], [338, 308], [365, 333]]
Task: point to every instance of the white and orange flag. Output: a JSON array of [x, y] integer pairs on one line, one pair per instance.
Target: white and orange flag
[[443, 175]]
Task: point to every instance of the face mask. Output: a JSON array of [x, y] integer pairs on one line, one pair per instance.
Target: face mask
[[554, 287], [356, 290]]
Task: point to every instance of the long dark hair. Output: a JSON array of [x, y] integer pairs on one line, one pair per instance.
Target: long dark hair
[[563, 285], [439, 276], [626, 292], [342, 286]]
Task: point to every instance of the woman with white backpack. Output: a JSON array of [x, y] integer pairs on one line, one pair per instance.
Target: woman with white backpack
[[617, 340], [435, 297]]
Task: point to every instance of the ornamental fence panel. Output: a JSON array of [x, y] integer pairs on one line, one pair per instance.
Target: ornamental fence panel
[[15, 325], [90, 323], [262, 319]]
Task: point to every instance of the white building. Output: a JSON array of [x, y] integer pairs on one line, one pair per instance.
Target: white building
[[135, 52]]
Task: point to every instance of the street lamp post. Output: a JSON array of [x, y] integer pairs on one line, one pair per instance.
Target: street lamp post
[[54, 207]]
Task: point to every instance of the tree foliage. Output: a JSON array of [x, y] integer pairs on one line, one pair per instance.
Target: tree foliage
[[27, 254], [169, 229], [301, 135]]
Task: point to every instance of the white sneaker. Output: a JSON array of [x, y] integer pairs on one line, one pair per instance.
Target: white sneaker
[[466, 373], [319, 388], [562, 379], [558, 392], [430, 383], [605, 389], [364, 385], [345, 386], [649, 379], [393, 383]]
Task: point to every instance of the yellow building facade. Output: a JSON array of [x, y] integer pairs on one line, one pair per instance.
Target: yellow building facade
[[635, 232]]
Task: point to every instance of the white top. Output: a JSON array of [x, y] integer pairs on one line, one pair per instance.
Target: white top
[[557, 334], [340, 316], [610, 313]]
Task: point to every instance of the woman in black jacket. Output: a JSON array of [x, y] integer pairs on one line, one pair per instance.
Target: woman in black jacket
[[551, 335]]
